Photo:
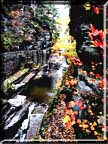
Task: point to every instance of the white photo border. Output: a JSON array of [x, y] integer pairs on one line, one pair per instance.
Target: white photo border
[[79, 140]]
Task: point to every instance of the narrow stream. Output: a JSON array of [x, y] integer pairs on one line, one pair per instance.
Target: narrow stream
[[29, 107], [40, 90]]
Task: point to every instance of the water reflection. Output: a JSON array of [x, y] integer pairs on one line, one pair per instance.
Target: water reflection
[[39, 90]]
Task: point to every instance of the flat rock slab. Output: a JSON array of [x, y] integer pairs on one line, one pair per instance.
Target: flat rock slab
[[17, 100], [40, 109], [27, 78], [35, 123]]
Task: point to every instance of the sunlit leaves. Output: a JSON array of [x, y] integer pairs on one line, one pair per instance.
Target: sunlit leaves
[[66, 43]]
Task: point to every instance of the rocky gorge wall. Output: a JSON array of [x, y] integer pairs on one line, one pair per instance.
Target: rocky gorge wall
[[87, 28], [23, 31]]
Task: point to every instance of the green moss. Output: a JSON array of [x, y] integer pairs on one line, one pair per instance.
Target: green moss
[[8, 82], [35, 138]]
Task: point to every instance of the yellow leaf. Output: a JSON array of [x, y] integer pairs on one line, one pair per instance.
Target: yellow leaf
[[66, 119]]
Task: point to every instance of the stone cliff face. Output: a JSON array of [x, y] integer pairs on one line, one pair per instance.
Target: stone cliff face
[[25, 28], [21, 30], [87, 28]]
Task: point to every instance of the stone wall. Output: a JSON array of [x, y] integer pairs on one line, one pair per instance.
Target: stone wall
[[11, 61]]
